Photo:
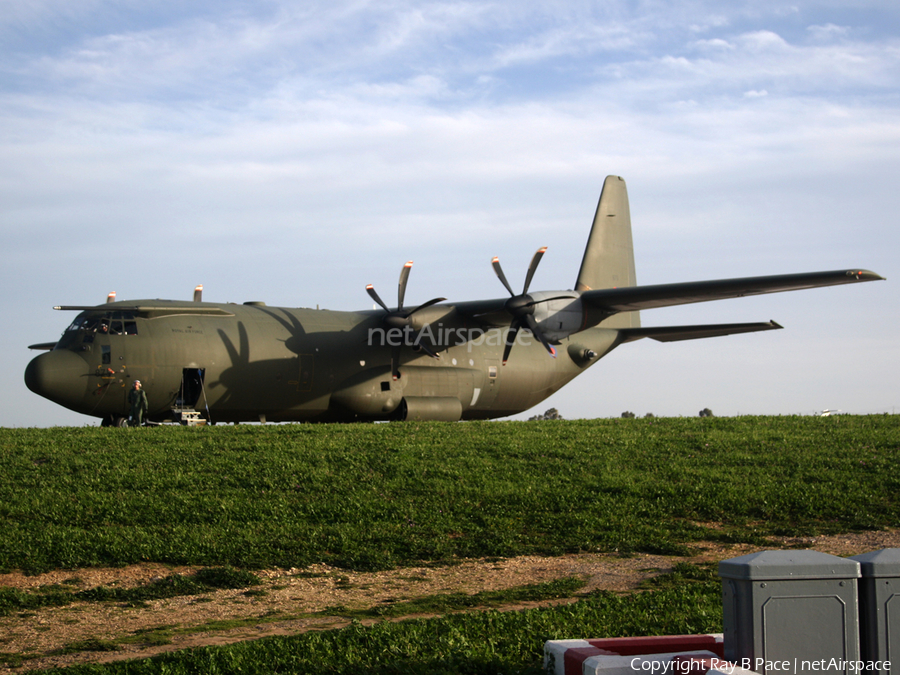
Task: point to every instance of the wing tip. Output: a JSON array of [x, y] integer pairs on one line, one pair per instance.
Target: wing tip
[[865, 275]]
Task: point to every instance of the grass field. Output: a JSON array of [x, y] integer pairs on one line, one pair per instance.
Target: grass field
[[367, 497], [377, 496]]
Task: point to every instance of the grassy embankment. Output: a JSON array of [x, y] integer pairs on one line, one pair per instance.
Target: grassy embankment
[[370, 497]]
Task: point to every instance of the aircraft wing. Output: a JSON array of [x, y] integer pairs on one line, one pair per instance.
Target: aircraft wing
[[634, 298], [46, 346], [676, 333], [153, 311]]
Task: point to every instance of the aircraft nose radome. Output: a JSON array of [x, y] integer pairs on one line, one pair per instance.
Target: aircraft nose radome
[[57, 375]]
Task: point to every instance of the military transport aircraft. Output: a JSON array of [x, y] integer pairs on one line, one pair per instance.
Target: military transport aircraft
[[200, 361]]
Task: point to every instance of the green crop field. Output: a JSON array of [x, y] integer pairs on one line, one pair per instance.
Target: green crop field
[[369, 497]]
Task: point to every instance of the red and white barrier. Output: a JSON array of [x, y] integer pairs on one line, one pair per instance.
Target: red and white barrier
[[643, 664], [658, 655]]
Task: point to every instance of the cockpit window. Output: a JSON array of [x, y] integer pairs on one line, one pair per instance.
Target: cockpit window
[[111, 323], [76, 324]]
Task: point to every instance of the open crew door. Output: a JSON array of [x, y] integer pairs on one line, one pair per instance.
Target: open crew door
[[191, 388], [188, 397]]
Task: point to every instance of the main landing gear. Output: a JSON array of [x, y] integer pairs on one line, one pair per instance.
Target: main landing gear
[[114, 421]]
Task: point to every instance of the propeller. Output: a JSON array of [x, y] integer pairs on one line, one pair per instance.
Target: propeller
[[401, 318], [521, 306]]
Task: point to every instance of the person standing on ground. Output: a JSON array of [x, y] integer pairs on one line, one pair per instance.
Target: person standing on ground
[[137, 397]]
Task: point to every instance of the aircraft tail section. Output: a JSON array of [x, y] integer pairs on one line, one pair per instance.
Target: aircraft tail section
[[609, 256]]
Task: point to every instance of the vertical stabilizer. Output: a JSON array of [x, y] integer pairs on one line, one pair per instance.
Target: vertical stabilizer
[[609, 256]]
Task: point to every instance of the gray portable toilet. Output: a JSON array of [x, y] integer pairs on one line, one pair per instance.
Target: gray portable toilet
[[791, 612], [879, 608]]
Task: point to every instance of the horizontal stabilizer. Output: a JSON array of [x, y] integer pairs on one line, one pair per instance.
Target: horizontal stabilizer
[[614, 300], [676, 333]]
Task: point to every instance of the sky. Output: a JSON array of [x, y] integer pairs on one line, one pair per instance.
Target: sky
[[295, 152]]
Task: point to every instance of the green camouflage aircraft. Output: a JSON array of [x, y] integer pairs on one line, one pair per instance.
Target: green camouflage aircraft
[[207, 362]]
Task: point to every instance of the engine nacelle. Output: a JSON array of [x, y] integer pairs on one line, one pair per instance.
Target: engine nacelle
[[561, 317]]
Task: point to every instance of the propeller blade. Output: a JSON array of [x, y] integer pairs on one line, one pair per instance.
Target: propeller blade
[[400, 319], [401, 289], [423, 306], [371, 291], [533, 327], [495, 263], [521, 307], [532, 268], [510, 340], [418, 344]]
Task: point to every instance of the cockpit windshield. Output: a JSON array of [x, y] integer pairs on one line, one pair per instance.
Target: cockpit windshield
[[110, 323]]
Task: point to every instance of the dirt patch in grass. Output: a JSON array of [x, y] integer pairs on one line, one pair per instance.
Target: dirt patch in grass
[[297, 600]]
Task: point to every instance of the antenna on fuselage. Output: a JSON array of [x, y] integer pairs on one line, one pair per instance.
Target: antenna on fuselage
[[198, 293], [111, 297]]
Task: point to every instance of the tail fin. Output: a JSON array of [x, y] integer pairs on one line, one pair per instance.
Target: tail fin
[[609, 256]]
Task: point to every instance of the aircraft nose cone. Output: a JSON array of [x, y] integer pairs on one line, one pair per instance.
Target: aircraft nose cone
[[60, 376]]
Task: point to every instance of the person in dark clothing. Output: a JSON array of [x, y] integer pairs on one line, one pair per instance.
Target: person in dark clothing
[[137, 397]]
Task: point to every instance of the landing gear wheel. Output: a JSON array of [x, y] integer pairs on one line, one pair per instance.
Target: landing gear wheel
[[114, 421]]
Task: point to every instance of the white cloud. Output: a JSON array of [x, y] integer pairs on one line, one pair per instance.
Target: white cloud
[[715, 44], [764, 41], [828, 32]]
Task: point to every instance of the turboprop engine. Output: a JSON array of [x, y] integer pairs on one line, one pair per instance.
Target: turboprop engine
[[558, 313]]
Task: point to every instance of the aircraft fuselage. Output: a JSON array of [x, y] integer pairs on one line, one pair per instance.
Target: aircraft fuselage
[[252, 362]]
